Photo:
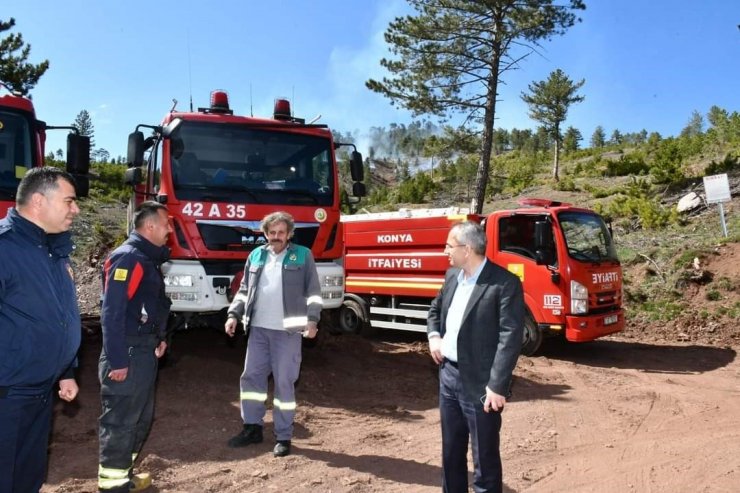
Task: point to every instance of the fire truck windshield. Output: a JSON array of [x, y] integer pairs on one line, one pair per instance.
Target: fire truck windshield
[[233, 163], [587, 237], [16, 150]]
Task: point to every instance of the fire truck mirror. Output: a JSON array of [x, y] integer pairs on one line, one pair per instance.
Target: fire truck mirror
[[358, 189], [356, 168], [82, 185], [133, 176], [135, 156], [78, 154]]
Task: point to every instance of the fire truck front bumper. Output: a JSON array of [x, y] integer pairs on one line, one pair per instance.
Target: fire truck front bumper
[[590, 327]]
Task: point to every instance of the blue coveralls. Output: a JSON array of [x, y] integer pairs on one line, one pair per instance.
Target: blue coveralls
[[134, 320], [39, 339]]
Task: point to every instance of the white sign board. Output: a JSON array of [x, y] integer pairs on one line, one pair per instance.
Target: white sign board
[[717, 188]]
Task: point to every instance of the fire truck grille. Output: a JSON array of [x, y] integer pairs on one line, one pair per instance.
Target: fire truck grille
[[237, 239], [604, 301]]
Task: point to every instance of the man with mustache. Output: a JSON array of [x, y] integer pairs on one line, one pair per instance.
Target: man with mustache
[[279, 300], [134, 320], [39, 322]]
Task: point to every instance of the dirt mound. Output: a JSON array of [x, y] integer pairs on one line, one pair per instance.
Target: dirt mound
[[707, 302]]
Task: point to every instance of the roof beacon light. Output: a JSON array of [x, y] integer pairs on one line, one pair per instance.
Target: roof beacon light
[[219, 101], [282, 110]]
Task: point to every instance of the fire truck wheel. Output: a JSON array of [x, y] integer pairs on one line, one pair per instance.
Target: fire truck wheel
[[352, 317], [532, 336]]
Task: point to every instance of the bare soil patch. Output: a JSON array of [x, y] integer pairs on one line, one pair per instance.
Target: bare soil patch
[[614, 415], [655, 409]]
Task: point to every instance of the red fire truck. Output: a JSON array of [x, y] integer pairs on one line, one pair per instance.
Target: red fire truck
[[564, 255], [219, 174], [22, 140]]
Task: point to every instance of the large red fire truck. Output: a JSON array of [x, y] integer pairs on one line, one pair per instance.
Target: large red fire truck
[[22, 140], [564, 255], [219, 174]]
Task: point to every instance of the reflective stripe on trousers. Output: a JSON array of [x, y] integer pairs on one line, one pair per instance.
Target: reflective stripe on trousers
[[277, 352]]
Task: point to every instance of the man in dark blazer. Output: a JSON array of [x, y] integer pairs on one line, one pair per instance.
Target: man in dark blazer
[[475, 331]]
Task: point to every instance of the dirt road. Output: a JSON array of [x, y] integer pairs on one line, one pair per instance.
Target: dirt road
[[609, 416]]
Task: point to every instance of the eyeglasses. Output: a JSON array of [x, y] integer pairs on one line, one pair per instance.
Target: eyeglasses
[[447, 245]]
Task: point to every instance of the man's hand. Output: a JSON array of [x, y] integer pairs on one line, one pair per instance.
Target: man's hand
[[311, 330], [118, 375], [493, 401], [161, 349], [435, 349], [230, 326], [68, 389]]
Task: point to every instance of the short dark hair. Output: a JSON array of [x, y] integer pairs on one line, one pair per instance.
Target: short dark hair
[[40, 180], [145, 210]]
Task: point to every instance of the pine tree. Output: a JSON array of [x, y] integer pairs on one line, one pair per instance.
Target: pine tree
[[450, 57], [598, 138], [83, 123], [571, 139], [548, 102], [15, 71]]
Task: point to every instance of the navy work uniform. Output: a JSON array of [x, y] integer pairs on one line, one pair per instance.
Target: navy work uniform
[[134, 319], [39, 339]]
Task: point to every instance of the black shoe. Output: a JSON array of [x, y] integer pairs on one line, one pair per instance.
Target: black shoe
[[282, 448], [250, 434]]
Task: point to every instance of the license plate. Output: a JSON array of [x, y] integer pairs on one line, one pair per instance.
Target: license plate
[[611, 319]]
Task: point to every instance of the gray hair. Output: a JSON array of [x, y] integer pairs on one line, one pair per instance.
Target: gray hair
[[278, 217], [472, 234]]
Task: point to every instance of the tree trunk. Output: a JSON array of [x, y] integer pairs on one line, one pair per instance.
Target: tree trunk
[[481, 179], [556, 162]]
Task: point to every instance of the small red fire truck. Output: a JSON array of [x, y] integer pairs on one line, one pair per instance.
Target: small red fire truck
[[219, 174], [22, 140], [564, 255]]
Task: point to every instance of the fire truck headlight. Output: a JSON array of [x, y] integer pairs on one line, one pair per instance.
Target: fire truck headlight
[[179, 280], [578, 298], [333, 281]]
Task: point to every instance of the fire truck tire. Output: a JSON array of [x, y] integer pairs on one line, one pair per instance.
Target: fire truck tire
[[532, 336], [352, 317]]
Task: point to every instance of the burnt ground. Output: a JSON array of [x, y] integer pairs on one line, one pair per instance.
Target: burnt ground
[[656, 408]]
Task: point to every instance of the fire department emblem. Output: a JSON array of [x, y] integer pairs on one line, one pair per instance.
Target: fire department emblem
[[320, 215]]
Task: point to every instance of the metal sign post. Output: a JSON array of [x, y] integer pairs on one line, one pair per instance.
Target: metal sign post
[[717, 188]]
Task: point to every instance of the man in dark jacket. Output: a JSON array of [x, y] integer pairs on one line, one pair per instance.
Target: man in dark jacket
[[39, 322], [134, 320], [475, 334]]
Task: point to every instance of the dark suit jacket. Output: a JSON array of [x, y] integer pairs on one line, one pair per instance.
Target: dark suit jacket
[[491, 332]]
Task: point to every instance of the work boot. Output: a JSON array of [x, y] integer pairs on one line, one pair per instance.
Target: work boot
[[140, 482], [250, 434], [282, 448]]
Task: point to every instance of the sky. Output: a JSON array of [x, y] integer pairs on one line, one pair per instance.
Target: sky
[[646, 64]]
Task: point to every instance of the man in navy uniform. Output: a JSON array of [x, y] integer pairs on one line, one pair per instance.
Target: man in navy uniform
[[134, 320], [39, 322]]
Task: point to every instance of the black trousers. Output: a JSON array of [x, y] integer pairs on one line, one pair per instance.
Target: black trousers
[[25, 422], [464, 421], [127, 409]]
